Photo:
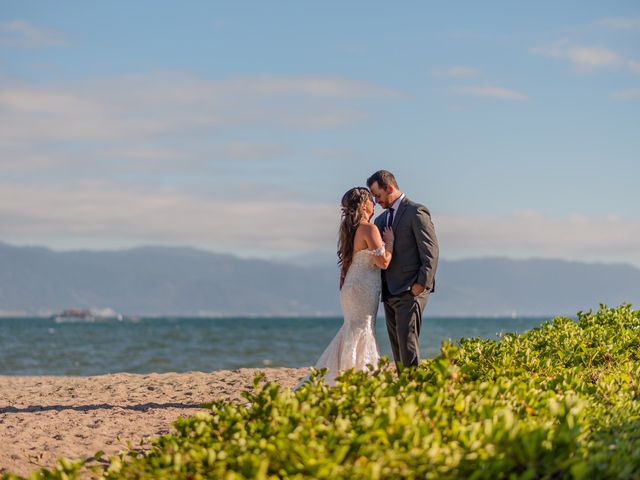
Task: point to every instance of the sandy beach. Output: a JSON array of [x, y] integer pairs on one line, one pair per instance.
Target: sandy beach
[[43, 418]]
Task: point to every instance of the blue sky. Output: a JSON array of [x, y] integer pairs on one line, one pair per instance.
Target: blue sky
[[237, 127]]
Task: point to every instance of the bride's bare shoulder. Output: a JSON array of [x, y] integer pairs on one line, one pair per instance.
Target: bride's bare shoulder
[[363, 235], [370, 234], [366, 230], [372, 229], [367, 227]]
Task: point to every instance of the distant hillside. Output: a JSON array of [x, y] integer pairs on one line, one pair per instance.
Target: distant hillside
[[499, 286], [186, 281]]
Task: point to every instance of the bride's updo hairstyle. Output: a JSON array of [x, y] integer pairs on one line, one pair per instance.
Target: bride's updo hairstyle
[[351, 217]]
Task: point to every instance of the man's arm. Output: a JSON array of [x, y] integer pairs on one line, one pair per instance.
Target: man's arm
[[427, 243]]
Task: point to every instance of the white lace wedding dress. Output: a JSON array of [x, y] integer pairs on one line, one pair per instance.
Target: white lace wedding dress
[[354, 346]]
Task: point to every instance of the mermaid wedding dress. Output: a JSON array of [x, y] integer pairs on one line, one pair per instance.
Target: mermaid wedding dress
[[354, 346]]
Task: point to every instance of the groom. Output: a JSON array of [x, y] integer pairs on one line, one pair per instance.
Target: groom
[[410, 277]]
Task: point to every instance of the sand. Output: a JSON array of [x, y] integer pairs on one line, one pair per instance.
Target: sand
[[43, 418]]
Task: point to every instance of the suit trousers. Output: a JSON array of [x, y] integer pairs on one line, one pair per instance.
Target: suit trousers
[[403, 313]]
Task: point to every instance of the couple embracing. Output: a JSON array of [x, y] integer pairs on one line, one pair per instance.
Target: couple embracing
[[394, 258]]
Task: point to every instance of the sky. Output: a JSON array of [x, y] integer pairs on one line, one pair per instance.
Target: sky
[[237, 126]]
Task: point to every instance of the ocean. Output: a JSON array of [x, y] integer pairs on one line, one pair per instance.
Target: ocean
[[42, 346]]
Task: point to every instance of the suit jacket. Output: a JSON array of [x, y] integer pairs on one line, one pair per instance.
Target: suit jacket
[[415, 249]]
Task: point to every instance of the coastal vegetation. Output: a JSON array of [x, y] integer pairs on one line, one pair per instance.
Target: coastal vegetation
[[559, 401]]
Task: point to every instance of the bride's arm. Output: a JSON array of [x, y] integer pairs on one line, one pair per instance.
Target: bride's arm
[[375, 242]]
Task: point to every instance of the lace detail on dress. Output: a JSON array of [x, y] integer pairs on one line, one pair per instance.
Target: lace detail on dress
[[354, 346], [378, 252]]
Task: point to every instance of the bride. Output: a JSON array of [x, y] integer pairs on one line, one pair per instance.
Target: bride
[[361, 254]]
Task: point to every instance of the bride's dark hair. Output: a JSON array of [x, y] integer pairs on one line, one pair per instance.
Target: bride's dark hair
[[351, 218]]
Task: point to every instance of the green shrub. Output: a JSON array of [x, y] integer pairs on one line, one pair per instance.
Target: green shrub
[[559, 401]]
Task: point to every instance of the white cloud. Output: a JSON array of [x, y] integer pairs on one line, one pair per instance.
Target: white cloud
[[166, 124], [255, 222], [21, 34], [136, 107], [333, 87], [490, 91], [237, 150], [458, 71], [588, 59], [629, 94], [583, 58], [622, 23], [532, 234], [249, 151], [634, 66], [135, 157], [271, 223]]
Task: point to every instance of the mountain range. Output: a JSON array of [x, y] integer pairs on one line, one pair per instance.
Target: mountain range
[[188, 281]]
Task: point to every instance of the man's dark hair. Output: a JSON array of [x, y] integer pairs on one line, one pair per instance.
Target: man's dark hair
[[384, 179]]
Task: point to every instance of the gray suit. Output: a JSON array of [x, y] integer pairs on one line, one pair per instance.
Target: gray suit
[[415, 260]]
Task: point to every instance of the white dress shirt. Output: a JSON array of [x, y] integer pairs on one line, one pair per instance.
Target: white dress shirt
[[395, 206]]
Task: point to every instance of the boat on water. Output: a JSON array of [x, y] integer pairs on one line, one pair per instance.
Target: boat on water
[[74, 315], [85, 315]]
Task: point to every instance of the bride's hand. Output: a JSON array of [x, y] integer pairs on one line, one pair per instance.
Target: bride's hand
[[387, 236]]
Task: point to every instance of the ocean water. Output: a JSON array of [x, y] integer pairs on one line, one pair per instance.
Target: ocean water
[[41, 346]]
